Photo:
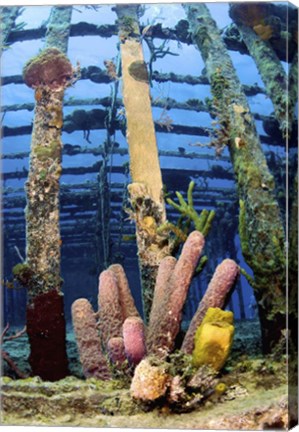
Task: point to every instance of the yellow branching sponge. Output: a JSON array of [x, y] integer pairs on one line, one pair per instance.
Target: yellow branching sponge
[[213, 339]]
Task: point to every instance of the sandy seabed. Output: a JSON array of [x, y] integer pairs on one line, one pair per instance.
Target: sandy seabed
[[258, 396]]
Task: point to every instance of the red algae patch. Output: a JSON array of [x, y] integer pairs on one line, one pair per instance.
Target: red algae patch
[[51, 68]]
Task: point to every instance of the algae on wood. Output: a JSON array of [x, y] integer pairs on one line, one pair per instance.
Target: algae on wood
[[58, 29], [267, 62], [260, 226], [293, 277], [7, 24], [146, 190], [293, 88]]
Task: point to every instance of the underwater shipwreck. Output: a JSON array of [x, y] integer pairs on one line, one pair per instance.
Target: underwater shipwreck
[[150, 215]]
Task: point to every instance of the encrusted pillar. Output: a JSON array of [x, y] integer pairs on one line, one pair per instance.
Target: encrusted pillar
[[146, 190], [261, 228], [256, 28], [48, 74], [293, 265]]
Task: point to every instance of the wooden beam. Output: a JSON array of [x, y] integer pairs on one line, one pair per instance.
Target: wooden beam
[[100, 76]]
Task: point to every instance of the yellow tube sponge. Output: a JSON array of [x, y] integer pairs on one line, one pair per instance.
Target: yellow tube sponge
[[213, 339]]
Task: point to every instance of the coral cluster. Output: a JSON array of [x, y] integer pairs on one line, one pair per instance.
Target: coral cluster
[[121, 338], [114, 333]]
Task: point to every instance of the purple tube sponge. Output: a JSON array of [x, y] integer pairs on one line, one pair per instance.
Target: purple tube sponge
[[161, 292], [125, 297], [134, 339], [94, 363], [116, 351], [166, 324], [110, 313], [215, 296]]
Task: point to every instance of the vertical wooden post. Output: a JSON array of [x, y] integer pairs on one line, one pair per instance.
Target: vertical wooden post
[[267, 62], [48, 74], [260, 226], [146, 189]]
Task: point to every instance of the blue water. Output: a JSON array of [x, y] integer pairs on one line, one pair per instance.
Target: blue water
[[80, 278]]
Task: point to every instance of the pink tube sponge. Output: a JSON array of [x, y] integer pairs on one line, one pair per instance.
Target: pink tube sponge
[[215, 296], [94, 363], [116, 351], [125, 297], [110, 313], [165, 326], [134, 339], [161, 292]]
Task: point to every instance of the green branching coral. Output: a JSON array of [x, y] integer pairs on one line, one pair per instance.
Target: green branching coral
[[202, 222]]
